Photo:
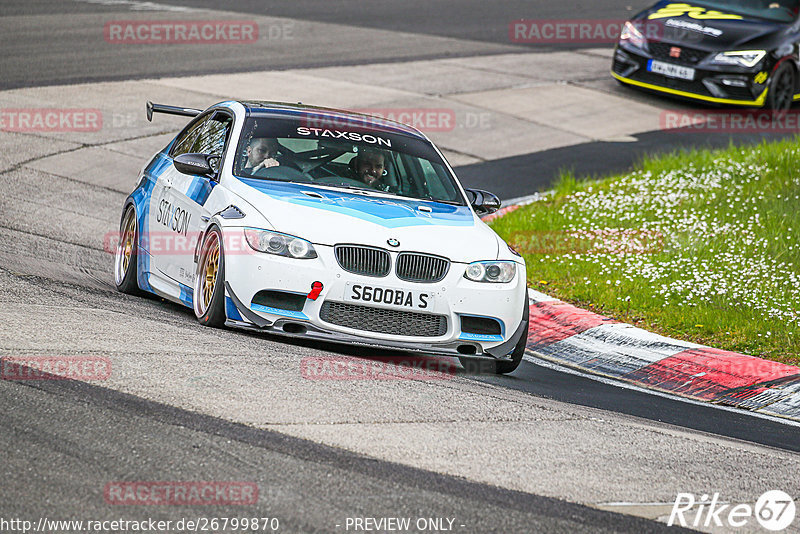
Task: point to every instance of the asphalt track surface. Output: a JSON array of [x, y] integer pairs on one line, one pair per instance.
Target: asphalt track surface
[[63, 440], [55, 438], [48, 46]]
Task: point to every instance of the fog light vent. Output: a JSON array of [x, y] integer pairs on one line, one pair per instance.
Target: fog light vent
[[281, 300], [471, 324]]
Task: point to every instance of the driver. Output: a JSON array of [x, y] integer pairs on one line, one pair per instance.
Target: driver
[[262, 153], [369, 167]]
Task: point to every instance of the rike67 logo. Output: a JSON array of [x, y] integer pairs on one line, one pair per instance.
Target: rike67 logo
[[774, 510]]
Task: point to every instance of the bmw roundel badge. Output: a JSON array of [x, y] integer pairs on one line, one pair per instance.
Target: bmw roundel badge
[[393, 242]]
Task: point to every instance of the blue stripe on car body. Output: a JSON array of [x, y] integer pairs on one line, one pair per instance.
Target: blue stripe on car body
[[199, 189], [276, 311], [480, 337], [231, 312], [186, 295], [141, 198]]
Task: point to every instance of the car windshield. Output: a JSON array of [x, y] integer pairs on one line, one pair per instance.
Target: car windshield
[[346, 155], [775, 10]]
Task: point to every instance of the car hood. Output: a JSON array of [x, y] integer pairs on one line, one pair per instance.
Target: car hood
[[331, 216], [704, 28]]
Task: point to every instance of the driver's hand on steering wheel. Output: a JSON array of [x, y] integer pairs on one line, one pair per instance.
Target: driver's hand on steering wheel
[[266, 164]]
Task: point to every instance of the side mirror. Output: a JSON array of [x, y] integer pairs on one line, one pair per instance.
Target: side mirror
[[483, 202], [197, 164]]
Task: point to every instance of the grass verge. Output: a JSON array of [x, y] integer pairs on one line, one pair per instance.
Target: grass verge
[[701, 245]]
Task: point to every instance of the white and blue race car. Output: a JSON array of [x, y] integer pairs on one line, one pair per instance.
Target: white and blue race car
[[323, 224]]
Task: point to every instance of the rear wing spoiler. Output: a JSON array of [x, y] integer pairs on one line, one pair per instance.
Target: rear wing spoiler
[[170, 110]]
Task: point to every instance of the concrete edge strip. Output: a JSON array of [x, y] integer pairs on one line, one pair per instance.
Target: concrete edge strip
[[584, 340]]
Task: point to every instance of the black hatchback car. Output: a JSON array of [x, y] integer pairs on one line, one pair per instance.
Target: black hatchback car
[[726, 52]]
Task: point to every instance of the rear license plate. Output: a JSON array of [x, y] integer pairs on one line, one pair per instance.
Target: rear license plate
[[386, 296], [668, 69]]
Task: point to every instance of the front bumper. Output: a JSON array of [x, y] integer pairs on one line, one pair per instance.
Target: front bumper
[[452, 298], [718, 85]]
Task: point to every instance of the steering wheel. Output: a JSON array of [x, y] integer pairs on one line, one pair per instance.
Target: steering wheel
[[339, 180], [282, 172], [308, 161]]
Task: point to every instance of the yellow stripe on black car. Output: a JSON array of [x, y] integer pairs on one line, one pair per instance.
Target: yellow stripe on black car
[[694, 12]]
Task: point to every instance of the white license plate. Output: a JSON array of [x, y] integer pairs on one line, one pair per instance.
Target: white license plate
[[387, 296], [668, 69]]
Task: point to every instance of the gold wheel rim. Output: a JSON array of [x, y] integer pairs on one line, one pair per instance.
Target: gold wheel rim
[[127, 241], [210, 273]]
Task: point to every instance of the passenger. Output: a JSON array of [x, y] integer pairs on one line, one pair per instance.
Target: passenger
[[369, 166]]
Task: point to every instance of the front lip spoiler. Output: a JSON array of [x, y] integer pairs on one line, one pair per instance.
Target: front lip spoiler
[[244, 310], [758, 102], [314, 332], [504, 349]]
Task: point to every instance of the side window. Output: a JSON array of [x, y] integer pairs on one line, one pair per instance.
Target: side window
[[183, 144], [206, 136], [438, 187], [407, 172], [212, 135]]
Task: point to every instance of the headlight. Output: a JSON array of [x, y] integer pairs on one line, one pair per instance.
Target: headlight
[[632, 35], [741, 58], [279, 244], [491, 271]]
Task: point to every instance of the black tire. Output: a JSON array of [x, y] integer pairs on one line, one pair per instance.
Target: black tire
[[500, 367], [781, 88], [126, 256], [210, 311]]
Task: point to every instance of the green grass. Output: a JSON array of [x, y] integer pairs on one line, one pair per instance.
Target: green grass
[[700, 245]]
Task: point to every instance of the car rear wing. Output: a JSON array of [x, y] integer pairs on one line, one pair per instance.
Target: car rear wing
[[170, 110]]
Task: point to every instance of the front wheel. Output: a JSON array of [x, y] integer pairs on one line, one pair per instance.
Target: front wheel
[[209, 290], [781, 90]]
